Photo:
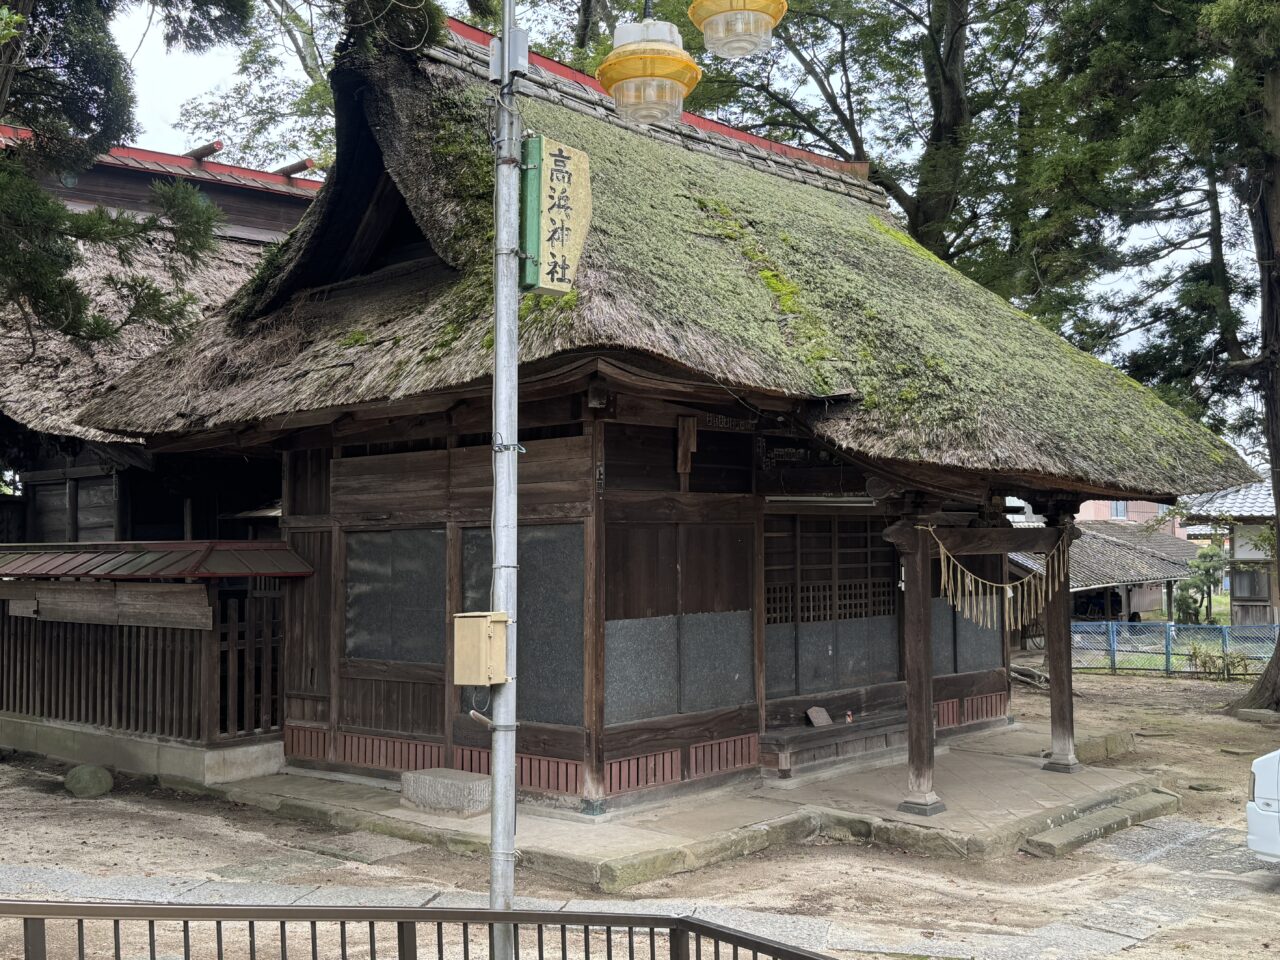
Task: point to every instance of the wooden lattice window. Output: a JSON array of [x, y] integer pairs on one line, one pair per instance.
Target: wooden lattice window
[[815, 602], [779, 603], [821, 568]]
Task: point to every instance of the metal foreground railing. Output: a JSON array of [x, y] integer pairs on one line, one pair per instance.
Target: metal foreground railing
[[123, 931]]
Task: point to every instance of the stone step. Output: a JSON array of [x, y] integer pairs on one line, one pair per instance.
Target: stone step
[[1061, 840]]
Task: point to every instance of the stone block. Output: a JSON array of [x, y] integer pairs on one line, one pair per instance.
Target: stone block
[[87, 781], [455, 792], [1258, 716]]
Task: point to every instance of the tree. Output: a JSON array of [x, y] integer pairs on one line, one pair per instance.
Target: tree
[[63, 78], [1208, 566], [1185, 95], [281, 106]]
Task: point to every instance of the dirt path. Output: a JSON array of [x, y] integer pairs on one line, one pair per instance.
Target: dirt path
[[882, 895]]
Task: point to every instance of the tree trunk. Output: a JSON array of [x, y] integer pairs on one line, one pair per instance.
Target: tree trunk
[[11, 53], [1264, 216], [943, 49]]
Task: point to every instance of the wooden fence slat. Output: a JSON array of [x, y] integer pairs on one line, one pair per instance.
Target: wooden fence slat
[[251, 647], [232, 627]]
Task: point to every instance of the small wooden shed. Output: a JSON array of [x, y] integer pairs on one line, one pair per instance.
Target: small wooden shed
[[737, 431]]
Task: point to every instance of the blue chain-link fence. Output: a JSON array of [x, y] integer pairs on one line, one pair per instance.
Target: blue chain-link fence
[[1173, 648]]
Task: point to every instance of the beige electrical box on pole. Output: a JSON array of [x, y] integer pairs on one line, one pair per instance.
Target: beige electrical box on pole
[[479, 649]]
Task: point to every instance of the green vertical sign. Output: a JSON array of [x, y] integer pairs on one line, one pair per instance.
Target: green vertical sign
[[530, 212]]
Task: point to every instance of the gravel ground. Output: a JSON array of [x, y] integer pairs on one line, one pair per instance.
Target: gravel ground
[[1181, 886]]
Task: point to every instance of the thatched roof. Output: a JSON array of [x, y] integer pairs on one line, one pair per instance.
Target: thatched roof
[[709, 255], [45, 376]]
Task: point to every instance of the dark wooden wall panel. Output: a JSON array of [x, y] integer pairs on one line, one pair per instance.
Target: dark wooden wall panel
[[306, 482], [640, 560], [309, 606], [48, 512], [96, 499], [717, 558], [551, 471], [391, 706], [640, 458]]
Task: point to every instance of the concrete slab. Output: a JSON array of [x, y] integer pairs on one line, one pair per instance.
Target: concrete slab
[[278, 869], [245, 894], [1258, 716], [363, 846], [996, 794], [1063, 839], [345, 896], [727, 812]]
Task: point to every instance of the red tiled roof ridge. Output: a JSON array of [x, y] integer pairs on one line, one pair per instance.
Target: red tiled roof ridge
[[122, 155], [853, 168]]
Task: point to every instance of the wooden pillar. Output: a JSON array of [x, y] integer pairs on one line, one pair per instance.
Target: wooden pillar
[[1168, 600], [594, 786], [73, 510], [1057, 636], [921, 798]]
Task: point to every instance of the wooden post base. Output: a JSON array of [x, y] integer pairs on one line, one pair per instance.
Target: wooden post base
[[923, 808], [1056, 765]]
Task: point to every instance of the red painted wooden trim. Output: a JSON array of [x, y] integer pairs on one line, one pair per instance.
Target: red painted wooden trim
[[548, 774], [987, 706], [306, 743], [719, 756], [154, 161], [852, 167], [947, 713], [646, 770]]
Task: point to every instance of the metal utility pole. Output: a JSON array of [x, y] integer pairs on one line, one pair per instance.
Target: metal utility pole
[[506, 302]]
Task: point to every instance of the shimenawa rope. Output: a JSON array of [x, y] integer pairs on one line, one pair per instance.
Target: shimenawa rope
[[981, 601]]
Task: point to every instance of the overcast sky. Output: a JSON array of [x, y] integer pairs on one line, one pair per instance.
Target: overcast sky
[[164, 81]]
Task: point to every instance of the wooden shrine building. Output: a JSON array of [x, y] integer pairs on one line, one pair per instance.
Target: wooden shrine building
[[138, 630], [737, 433]]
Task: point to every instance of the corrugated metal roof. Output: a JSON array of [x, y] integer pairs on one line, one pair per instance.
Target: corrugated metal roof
[[1110, 552], [183, 559], [173, 165], [1249, 501]]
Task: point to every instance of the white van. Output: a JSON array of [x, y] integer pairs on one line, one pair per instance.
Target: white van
[[1264, 807]]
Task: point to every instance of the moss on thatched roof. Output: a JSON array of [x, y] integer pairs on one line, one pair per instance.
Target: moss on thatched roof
[[696, 258], [46, 377]]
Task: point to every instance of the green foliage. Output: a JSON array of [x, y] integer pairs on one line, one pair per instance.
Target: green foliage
[[45, 241], [1202, 658], [1265, 540], [10, 24], [63, 76], [1186, 603], [280, 106], [1167, 120], [1191, 597]]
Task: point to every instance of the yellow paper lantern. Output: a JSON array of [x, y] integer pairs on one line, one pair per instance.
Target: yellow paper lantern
[[737, 28], [648, 73]]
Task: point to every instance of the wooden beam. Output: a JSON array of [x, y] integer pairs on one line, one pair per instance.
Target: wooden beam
[[1057, 636], [917, 627], [978, 541], [686, 446]]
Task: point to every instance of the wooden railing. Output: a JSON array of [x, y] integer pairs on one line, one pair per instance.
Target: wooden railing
[[198, 686]]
